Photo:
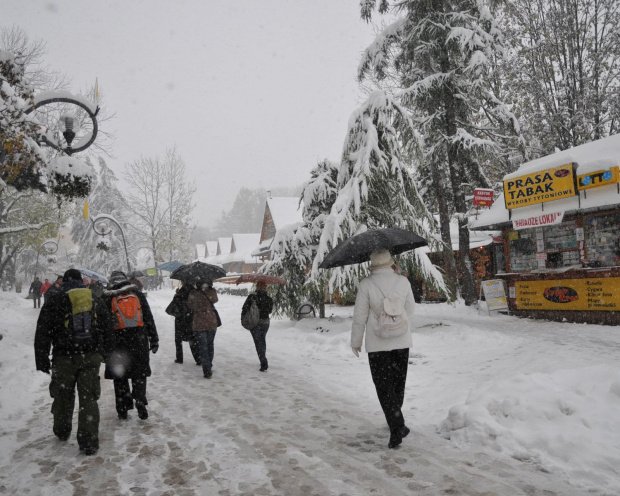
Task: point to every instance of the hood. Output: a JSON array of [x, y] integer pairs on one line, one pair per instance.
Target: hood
[[124, 287]]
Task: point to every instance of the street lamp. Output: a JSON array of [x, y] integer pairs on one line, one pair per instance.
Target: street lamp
[[106, 230], [50, 251], [69, 124]]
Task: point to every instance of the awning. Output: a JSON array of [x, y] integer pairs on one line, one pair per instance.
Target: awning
[[170, 266]]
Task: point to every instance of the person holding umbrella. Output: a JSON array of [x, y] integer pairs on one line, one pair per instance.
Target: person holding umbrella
[[388, 352], [259, 332], [206, 320], [183, 320]]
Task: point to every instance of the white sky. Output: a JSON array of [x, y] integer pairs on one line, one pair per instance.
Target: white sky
[[253, 93]]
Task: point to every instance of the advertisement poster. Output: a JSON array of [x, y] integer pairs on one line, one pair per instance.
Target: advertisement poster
[[602, 294], [495, 294]]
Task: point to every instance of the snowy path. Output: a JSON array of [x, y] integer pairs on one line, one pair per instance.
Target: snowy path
[[311, 425]]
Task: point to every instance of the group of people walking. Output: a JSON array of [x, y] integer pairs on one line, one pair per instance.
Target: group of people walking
[[83, 328], [196, 321]]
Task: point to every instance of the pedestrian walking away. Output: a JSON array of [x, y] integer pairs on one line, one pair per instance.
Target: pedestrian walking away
[[183, 319], [206, 320], [259, 332], [383, 308], [130, 335], [44, 287], [69, 326], [35, 291]]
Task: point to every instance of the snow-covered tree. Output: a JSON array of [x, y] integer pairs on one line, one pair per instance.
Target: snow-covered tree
[[375, 188], [23, 164], [443, 56], [564, 70], [95, 252], [294, 249]]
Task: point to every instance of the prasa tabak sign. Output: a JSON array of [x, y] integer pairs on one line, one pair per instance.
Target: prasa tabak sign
[[540, 187]]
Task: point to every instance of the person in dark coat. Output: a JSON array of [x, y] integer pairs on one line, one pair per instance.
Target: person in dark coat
[[70, 326], [53, 289], [130, 337], [259, 333], [205, 322], [35, 290], [183, 319]]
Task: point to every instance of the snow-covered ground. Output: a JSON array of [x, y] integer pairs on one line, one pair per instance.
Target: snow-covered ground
[[496, 406]]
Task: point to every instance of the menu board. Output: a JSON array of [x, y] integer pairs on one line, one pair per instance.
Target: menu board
[[494, 294], [601, 294]]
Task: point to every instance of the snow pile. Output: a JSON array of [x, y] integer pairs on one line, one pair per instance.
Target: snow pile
[[563, 419]]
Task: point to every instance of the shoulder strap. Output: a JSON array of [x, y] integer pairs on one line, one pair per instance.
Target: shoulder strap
[[380, 290]]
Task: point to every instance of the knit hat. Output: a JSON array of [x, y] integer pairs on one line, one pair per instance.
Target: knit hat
[[117, 277], [72, 275], [381, 259]]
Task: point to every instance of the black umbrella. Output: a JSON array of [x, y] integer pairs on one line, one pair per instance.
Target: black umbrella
[[136, 274], [357, 249], [198, 272]]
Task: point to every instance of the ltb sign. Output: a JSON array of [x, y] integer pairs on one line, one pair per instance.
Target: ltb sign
[[483, 197]]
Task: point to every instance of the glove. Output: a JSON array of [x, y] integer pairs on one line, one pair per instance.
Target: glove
[[356, 350], [154, 348], [45, 367]]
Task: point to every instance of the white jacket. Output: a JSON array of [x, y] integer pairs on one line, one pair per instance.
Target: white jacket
[[369, 302]]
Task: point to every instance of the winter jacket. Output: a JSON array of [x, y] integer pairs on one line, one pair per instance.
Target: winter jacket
[[56, 331], [35, 288], [183, 317], [368, 304], [204, 312], [127, 350], [45, 286], [263, 301]]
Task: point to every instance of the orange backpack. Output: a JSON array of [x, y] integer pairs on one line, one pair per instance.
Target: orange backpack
[[128, 311]]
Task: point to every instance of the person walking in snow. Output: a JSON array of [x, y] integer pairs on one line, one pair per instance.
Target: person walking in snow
[[388, 355], [35, 291], [69, 325], [259, 333], [200, 301], [131, 334], [44, 287], [183, 319]]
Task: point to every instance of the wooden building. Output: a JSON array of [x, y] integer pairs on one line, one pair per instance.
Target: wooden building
[[560, 221]]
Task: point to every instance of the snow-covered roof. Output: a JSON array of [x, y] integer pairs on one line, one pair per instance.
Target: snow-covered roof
[[223, 246], [244, 245], [263, 248], [211, 248], [593, 156], [200, 250], [285, 211]]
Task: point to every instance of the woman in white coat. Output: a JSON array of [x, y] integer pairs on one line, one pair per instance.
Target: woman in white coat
[[388, 357]]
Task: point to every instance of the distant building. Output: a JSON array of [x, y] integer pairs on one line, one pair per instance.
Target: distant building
[[280, 213]]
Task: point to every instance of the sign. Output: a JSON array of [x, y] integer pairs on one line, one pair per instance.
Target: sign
[[151, 272], [494, 294], [598, 178], [538, 220], [540, 187], [601, 294], [541, 256], [483, 197]]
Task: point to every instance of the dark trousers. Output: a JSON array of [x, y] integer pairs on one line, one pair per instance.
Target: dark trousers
[[125, 395], [389, 373], [193, 347], [205, 340], [37, 301], [69, 372], [259, 334]]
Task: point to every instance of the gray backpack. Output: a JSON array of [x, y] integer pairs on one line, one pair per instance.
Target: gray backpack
[[249, 319]]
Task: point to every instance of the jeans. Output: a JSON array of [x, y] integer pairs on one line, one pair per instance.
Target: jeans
[[259, 334], [205, 341], [389, 373]]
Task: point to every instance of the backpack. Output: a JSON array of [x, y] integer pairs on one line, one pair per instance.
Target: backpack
[[392, 321], [128, 311], [250, 319], [81, 318]]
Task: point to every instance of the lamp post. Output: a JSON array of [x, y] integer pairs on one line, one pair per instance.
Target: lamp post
[[50, 251], [68, 124], [107, 230]]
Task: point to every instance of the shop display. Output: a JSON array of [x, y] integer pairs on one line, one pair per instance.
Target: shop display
[[602, 234]]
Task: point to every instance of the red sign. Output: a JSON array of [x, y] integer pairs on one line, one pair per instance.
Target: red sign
[[483, 197]]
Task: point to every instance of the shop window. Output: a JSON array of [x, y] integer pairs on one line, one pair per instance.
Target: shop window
[[522, 250], [602, 236], [560, 244]]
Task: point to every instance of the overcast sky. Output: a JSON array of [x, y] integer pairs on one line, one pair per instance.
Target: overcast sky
[[252, 92]]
